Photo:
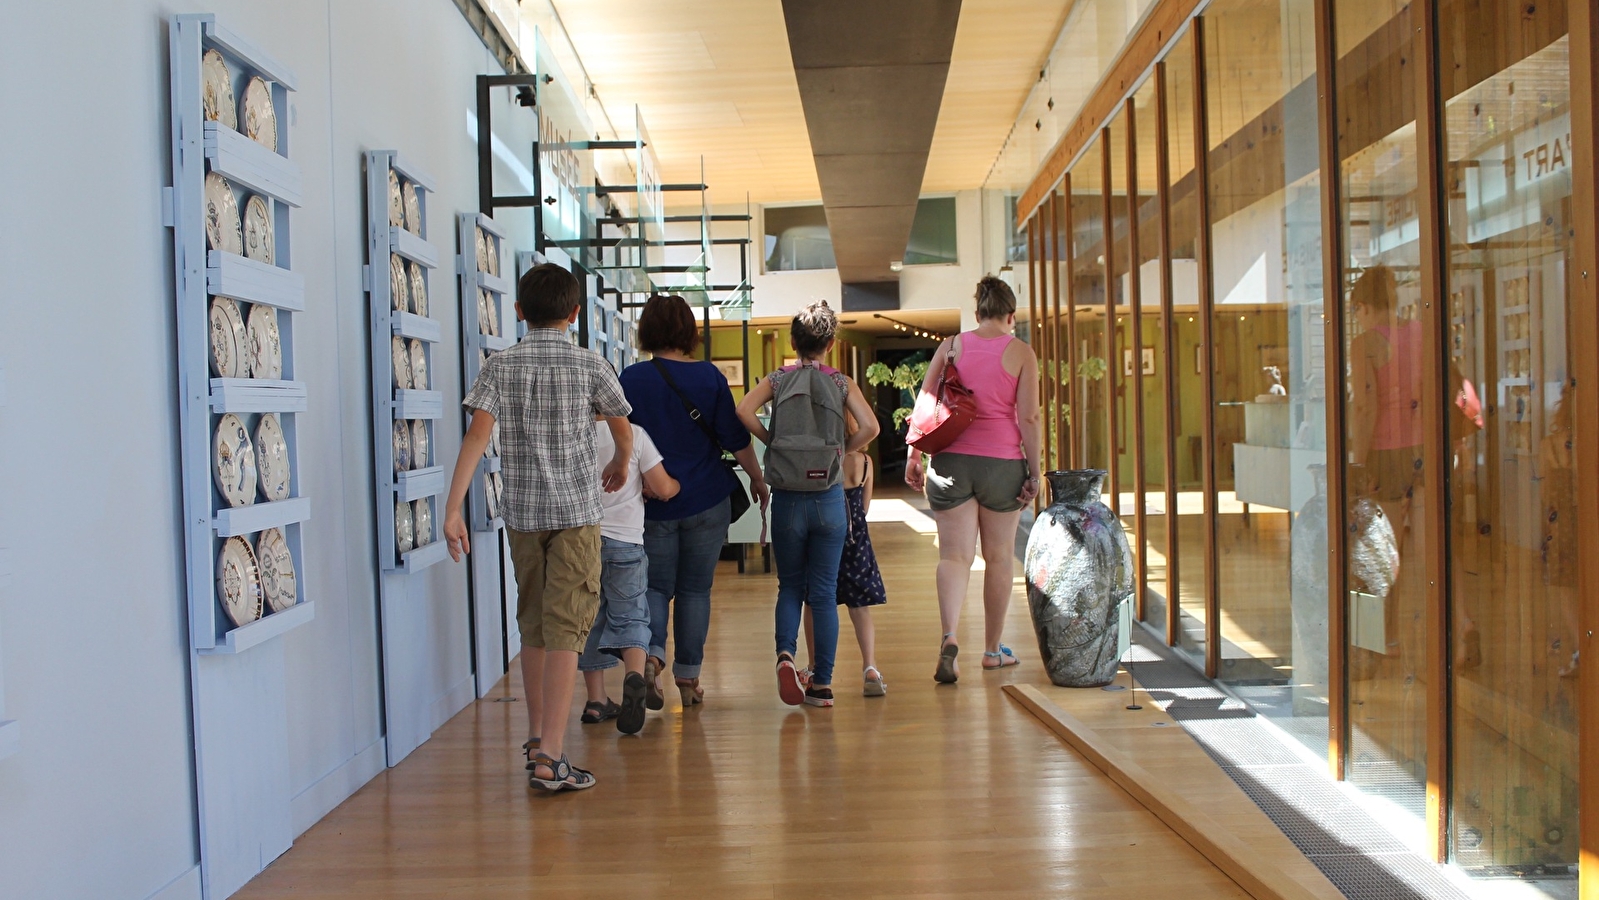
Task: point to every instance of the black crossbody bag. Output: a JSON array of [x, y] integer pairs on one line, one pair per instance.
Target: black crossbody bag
[[739, 497]]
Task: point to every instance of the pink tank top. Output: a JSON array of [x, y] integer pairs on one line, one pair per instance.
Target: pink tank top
[[1399, 389], [994, 433]]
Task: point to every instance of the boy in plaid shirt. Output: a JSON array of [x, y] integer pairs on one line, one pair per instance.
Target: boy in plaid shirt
[[544, 393]]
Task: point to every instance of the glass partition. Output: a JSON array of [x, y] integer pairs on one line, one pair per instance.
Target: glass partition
[[1088, 419], [1513, 605], [1386, 477], [1145, 365], [1188, 435]]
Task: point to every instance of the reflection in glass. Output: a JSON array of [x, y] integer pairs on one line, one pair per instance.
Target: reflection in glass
[[1145, 367], [1265, 206], [1086, 410], [1188, 440], [1511, 484], [1386, 478]]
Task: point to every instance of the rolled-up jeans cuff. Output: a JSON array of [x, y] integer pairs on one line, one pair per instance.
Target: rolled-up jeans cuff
[[657, 652], [598, 663], [679, 670]]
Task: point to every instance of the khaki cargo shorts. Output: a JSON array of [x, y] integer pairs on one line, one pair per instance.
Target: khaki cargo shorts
[[954, 478], [557, 585]]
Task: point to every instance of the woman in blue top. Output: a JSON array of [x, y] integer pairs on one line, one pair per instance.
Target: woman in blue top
[[683, 536]]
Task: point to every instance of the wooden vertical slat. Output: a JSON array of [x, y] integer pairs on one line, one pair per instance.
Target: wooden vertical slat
[[1046, 252], [1333, 373], [1207, 355], [1068, 328], [1035, 324], [1583, 333], [1108, 218], [1061, 369], [1135, 312], [1434, 321], [1168, 338], [1049, 213]]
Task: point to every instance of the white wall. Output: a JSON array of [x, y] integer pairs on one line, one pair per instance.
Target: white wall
[[98, 802]]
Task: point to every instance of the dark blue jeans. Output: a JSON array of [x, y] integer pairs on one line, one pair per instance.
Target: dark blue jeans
[[808, 533], [683, 555]]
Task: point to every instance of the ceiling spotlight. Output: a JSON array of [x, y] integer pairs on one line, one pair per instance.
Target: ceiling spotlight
[[896, 265]]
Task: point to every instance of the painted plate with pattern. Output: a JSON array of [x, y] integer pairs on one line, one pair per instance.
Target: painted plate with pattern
[[399, 284], [494, 317], [234, 461], [482, 311], [413, 209], [265, 343], [278, 584], [228, 340], [404, 533], [402, 363], [239, 581], [216, 90], [482, 251], [419, 444], [491, 250], [223, 230], [419, 365], [490, 496], [272, 458], [258, 230], [419, 288], [260, 117], [396, 201], [423, 520], [402, 446]]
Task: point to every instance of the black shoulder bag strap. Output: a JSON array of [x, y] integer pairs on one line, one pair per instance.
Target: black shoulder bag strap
[[738, 496]]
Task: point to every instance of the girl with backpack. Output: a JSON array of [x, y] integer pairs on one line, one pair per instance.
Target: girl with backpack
[[806, 444]]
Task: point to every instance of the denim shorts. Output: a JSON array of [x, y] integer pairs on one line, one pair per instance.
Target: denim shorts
[[623, 620]]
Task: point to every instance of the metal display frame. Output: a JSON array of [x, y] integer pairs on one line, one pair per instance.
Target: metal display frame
[[391, 402], [238, 695]]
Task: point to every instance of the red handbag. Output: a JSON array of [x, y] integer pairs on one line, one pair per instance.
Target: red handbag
[[940, 417]]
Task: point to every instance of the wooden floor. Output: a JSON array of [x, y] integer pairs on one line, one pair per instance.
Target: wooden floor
[[931, 791]]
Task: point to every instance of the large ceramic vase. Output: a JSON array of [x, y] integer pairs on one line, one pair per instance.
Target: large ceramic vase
[[1079, 570]]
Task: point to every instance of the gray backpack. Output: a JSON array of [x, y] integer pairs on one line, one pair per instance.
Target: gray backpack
[[807, 448]]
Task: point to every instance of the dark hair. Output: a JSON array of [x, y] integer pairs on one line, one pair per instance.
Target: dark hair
[[995, 299], [546, 294], [813, 329], [667, 323], [1377, 289]]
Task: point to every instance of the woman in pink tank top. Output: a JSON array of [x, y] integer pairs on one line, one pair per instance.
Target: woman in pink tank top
[[979, 484]]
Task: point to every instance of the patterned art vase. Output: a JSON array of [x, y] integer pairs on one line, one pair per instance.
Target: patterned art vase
[[1079, 571]]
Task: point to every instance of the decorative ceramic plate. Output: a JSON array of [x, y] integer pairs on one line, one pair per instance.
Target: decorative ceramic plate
[[402, 363], [272, 458], [482, 251], [260, 117], [222, 229], [423, 520], [491, 250], [228, 340], [402, 446], [490, 497], [265, 343], [399, 284], [494, 318], [239, 581], [419, 289], [396, 201], [419, 365], [234, 461], [482, 311], [413, 210], [216, 90], [404, 533], [258, 230], [278, 584], [419, 444]]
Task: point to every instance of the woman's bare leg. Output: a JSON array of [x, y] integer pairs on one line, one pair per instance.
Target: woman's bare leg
[[998, 530], [957, 547]]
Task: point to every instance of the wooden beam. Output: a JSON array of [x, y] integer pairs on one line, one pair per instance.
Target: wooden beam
[[1583, 333], [1161, 24], [1062, 385], [1168, 338], [1068, 273], [1135, 308], [1333, 378], [1047, 235], [1207, 353]]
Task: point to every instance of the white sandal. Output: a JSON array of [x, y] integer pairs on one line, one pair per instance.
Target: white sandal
[[874, 687]]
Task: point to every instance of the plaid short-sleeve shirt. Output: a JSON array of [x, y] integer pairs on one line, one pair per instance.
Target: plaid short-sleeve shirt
[[544, 393]]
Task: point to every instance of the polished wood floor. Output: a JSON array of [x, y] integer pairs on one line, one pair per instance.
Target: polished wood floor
[[930, 791]]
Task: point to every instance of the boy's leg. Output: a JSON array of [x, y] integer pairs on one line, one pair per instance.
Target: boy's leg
[[533, 687], [593, 663], [571, 598], [661, 546], [528, 560]]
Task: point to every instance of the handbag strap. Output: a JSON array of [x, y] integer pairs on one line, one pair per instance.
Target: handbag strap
[[688, 405]]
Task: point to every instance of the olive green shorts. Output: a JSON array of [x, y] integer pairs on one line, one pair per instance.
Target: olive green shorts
[[954, 478], [557, 585]]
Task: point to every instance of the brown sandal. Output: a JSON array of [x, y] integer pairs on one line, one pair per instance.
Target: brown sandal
[[690, 689]]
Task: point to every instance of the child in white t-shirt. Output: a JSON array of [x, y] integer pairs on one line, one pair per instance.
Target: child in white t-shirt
[[622, 625]]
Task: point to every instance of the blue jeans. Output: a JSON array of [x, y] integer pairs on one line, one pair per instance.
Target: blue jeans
[[683, 555], [623, 620], [808, 533]]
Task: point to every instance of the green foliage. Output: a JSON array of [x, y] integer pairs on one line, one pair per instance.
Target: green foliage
[[907, 376], [1092, 368]]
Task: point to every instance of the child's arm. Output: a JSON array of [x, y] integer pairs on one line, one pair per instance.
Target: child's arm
[[615, 474], [659, 484], [866, 496], [472, 446]]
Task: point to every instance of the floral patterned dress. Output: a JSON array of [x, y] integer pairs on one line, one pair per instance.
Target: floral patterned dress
[[860, 583]]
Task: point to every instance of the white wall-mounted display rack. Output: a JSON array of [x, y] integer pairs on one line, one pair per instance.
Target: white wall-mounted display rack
[[237, 671]]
